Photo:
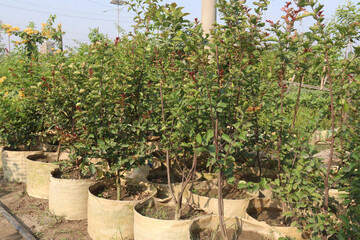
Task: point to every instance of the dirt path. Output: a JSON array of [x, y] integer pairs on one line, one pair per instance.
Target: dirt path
[[34, 214], [7, 231]]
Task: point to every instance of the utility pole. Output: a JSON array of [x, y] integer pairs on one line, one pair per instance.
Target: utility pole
[[118, 3], [208, 15]]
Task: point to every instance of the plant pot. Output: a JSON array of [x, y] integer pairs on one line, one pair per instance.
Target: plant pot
[[241, 228], [232, 207], [163, 188], [112, 219], [146, 228], [209, 176], [38, 174], [271, 210], [14, 166], [321, 136], [69, 197]]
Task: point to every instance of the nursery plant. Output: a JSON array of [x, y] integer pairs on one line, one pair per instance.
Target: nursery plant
[[178, 105], [115, 111]]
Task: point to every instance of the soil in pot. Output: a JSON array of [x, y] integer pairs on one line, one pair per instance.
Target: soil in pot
[[72, 173], [129, 192], [229, 192], [272, 216], [158, 177], [42, 158], [232, 234], [167, 212]]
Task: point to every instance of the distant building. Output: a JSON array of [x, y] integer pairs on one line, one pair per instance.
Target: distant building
[[47, 47]]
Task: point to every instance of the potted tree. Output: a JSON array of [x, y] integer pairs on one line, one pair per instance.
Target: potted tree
[[177, 115], [117, 127]]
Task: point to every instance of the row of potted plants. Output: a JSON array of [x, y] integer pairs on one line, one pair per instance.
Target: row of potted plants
[[109, 218], [167, 95]]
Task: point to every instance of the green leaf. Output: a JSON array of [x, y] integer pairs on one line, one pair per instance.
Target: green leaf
[[226, 138], [209, 135], [288, 214], [242, 184], [198, 138], [92, 169]]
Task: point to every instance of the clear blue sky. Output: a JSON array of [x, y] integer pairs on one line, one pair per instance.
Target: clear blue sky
[[78, 16]]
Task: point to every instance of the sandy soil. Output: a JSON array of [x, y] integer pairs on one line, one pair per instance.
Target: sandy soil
[[34, 214]]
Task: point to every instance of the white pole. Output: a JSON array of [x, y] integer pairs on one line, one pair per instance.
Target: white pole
[[208, 15], [118, 22]]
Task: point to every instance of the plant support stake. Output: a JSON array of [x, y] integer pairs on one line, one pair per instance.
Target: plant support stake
[[22, 229]]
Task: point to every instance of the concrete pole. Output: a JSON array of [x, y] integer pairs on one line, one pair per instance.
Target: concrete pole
[[208, 15], [118, 17]]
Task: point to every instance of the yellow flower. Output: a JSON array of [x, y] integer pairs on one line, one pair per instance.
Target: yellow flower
[[29, 31], [15, 29], [5, 94], [6, 26], [58, 51], [2, 79], [21, 94]]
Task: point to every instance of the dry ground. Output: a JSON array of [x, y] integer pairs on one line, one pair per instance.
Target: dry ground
[[35, 215]]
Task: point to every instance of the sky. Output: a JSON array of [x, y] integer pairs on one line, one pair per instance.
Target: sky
[[78, 16]]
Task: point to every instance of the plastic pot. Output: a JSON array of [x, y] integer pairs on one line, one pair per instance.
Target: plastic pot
[[38, 174], [259, 205], [240, 227], [146, 228], [112, 219], [13, 163], [69, 197], [232, 207]]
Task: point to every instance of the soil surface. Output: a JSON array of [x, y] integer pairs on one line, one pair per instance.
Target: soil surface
[[232, 234], [271, 216], [160, 176], [128, 192], [71, 173], [165, 212], [43, 159], [229, 192], [35, 215]]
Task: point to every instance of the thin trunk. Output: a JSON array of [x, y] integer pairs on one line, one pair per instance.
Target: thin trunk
[[167, 157], [118, 186], [328, 74], [281, 126], [257, 144], [58, 152], [332, 145], [221, 206], [297, 104]]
